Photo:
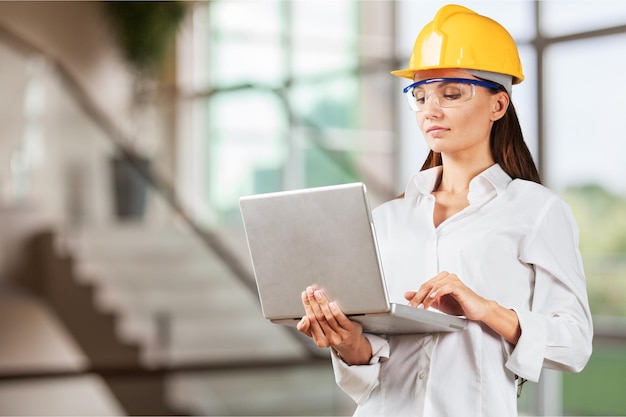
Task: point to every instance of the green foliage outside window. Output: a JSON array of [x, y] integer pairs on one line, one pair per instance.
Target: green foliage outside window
[[602, 221]]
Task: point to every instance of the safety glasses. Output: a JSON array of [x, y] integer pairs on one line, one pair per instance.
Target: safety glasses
[[446, 92]]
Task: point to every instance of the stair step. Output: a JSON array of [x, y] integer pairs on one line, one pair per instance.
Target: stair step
[[186, 301], [209, 339], [231, 338], [154, 273], [132, 244]]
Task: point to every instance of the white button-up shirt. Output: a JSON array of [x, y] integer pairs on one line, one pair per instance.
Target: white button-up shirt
[[516, 243]]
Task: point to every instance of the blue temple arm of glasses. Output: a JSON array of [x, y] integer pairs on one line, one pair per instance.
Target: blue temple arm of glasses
[[453, 80]]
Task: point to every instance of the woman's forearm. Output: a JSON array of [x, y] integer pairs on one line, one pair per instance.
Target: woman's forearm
[[503, 321]]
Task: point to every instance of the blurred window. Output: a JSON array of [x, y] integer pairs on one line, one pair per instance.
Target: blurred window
[[560, 17], [284, 79], [585, 148]]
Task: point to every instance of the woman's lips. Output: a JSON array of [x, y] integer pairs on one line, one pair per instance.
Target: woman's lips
[[435, 130]]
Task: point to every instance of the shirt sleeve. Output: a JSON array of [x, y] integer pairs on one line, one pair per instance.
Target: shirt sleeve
[[557, 331], [358, 381]]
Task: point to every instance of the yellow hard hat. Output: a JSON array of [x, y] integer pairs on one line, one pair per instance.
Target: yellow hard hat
[[461, 38]]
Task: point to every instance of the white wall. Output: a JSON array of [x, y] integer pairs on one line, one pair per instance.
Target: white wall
[[76, 33], [54, 160]]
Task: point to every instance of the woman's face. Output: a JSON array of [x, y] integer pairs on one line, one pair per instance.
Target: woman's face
[[462, 130]]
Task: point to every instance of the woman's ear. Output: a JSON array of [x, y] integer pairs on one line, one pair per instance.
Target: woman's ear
[[500, 105]]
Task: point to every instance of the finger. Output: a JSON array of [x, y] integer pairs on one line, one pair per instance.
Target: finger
[[304, 326], [435, 296], [412, 298], [417, 298], [314, 328], [328, 311], [320, 330], [305, 302], [340, 317], [309, 301], [337, 321], [337, 327], [322, 311]]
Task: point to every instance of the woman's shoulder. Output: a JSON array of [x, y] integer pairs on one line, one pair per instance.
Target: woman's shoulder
[[390, 206], [530, 189], [536, 198]]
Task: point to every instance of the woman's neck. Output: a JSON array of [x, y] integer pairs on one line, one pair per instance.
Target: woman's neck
[[457, 175]]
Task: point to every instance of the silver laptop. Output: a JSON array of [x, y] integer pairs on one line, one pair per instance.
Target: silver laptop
[[325, 237]]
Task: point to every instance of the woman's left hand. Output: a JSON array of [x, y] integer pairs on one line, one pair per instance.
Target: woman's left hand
[[447, 293]]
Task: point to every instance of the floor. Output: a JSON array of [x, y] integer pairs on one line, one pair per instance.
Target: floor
[[32, 339]]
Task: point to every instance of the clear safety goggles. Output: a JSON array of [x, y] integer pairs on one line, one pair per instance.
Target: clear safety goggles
[[446, 92]]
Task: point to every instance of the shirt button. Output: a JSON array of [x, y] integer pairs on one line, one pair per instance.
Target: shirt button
[[421, 375]]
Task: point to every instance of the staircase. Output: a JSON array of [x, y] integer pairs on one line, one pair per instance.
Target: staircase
[[156, 298], [175, 298]]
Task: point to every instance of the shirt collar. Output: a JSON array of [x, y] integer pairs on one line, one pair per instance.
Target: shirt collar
[[489, 183]]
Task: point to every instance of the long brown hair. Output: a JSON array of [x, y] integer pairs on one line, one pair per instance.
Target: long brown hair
[[508, 149]]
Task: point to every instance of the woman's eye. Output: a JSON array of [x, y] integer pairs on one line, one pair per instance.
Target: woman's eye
[[420, 98], [452, 96], [452, 93]]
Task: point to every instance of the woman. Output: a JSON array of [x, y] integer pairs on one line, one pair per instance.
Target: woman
[[475, 234]]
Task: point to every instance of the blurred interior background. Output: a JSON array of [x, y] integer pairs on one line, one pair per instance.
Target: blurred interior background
[[128, 132]]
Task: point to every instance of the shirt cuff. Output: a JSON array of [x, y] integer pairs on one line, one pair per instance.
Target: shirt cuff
[[358, 381], [526, 359], [380, 348]]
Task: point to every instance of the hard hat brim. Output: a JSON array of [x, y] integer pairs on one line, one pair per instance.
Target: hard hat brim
[[404, 73], [409, 73]]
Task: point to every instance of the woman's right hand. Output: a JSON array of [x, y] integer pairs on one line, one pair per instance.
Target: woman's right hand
[[326, 323]]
